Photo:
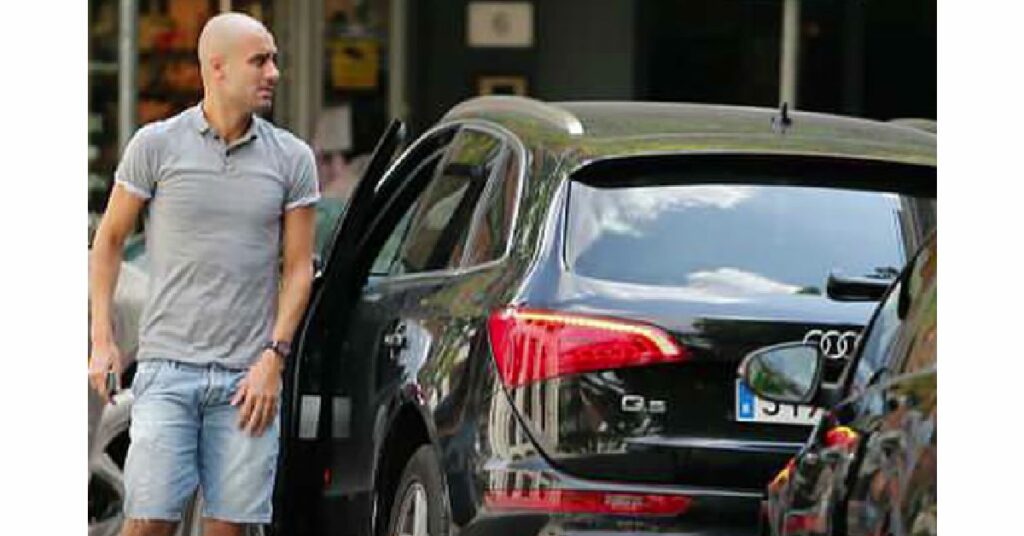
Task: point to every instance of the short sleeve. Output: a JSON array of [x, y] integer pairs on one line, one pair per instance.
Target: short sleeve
[[137, 170], [303, 188]]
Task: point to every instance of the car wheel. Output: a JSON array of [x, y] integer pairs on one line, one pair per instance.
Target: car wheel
[[420, 505], [109, 445]]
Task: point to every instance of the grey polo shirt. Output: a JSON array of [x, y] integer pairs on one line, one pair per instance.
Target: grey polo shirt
[[213, 233]]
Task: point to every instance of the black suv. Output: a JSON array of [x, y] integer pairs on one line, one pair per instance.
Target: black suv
[[534, 317], [530, 322]]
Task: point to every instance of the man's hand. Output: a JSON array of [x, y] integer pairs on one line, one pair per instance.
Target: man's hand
[[102, 359], [258, 393]]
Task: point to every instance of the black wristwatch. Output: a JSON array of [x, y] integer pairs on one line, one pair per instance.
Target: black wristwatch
[[281, 348]]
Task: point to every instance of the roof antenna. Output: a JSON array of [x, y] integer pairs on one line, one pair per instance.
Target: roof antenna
[[782, 122]]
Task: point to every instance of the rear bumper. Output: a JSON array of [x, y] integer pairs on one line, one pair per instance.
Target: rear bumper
[[512, 524], [713, 511], [714, 463]]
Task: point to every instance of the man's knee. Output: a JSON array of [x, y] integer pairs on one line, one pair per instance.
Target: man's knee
[[148, 527]]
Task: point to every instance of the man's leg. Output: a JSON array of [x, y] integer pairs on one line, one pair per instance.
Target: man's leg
[[216, 527], [148, 527], [236, 469], [161, 470]]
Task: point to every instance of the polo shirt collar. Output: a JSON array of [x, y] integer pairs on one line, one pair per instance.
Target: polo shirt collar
[[203, 126]]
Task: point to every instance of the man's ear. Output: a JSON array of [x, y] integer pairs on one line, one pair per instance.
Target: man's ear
[[217, 65]]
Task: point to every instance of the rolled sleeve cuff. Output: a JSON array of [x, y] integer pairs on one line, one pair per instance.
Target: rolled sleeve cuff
[[304, 202], [135, 190]]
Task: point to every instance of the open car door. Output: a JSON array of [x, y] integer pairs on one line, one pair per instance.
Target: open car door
[[306, 419]]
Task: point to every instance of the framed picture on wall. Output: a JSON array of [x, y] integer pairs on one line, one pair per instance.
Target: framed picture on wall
[[501, 85], [499, 24]]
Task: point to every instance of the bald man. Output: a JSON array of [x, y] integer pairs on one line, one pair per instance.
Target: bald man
[[229, 238]]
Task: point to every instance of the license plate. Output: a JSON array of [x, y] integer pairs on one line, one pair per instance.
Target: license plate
[[750, 408]]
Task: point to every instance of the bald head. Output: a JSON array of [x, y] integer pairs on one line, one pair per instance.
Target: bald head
[[237, 61], [223, 31]]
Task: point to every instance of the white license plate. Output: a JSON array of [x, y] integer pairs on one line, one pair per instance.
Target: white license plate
[[751, 408]]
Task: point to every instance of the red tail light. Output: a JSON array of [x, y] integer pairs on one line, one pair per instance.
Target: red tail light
[[589, 502], [530, 345]]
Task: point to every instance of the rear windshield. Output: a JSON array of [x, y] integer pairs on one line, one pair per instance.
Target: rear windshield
[[735, 238]]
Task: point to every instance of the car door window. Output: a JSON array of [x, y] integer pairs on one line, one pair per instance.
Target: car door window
[[916, 348], [493, 226], [439, 224], [879, 337], [383, 263]]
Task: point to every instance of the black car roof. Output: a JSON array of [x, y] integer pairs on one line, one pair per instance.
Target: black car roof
[[599, 129]]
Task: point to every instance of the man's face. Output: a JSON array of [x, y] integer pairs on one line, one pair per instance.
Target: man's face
[[250, 72]]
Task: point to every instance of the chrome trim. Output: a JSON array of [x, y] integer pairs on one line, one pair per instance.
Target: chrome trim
[[309, 416], [533, 464], [711, 443], [408, 151]]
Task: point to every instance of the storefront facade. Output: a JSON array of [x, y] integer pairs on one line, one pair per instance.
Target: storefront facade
[[350, 65]]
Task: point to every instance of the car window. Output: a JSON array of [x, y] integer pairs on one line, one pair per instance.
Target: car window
[[901, 337], [439, 224], [491, 231], [878, 339], [382, 264], [916, 348], [732, 239]]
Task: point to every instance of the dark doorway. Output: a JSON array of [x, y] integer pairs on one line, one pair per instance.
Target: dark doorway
[[721, 51]]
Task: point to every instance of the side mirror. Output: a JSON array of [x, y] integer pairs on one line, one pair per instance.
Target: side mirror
[[789, 373]]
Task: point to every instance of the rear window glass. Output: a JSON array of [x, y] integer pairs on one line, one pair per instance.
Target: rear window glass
[[733, 239]]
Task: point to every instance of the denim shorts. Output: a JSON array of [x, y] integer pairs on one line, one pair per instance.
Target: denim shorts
[[185, 433]]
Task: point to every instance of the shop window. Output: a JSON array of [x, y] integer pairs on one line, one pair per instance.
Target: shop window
[[167, 69], [355, 93], [169, 80], [103, 72]]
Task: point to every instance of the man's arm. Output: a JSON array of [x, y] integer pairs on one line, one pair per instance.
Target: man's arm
[[118, 221], [297, 270], [259, 391]]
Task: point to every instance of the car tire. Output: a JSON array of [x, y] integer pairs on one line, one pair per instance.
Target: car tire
[[420, 504], [108, 447]]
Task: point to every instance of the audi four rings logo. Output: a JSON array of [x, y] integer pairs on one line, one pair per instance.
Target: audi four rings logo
[[834, 344]]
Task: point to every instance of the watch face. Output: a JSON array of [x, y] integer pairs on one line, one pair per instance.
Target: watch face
[[281, 347]]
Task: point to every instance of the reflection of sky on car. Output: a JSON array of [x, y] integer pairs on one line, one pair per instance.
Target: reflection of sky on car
[[636, 206], [731, 239], [736, 281]]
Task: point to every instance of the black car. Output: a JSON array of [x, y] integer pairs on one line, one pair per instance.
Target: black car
[[530, 322], [870, 465]]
